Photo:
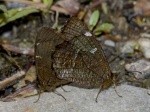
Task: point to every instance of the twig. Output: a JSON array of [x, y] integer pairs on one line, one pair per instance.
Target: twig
[[11, 79], [39, 5], [12, 48]]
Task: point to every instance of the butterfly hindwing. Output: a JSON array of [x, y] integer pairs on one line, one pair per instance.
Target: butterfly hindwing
[[75, 66]]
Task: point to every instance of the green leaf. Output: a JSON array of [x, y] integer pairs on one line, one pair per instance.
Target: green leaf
[[3, 8], [48, 2], [14, 14], [104, 7], [105, 27], [93, 19]]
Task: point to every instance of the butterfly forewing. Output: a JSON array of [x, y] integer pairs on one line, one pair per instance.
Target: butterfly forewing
[[78, 34], [46, 41]]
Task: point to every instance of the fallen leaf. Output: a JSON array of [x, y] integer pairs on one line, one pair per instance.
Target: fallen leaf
[[72, 6], [142, 7]]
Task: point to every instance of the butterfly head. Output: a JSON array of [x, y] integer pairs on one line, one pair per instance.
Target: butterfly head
[[44, 86], [111, 80]]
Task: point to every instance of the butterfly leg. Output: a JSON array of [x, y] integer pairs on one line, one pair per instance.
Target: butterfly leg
[[148, 90], [101, 87], [59, 94], [63, 89], [39, 94], [115, 87]]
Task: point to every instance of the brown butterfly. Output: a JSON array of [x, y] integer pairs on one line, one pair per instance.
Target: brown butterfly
[[73, 56], [46, 41], [81, 59]]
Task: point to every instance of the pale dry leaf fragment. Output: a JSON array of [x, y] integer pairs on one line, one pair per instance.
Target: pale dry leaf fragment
[[9, 80], [30, 76], [142, 7], [72, 6]]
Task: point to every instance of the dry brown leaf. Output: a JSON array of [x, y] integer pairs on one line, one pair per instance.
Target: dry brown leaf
[[143, 7], [30, 76], [72, 6]]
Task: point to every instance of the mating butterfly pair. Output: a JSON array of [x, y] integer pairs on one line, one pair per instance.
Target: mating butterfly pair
[[74, 55]]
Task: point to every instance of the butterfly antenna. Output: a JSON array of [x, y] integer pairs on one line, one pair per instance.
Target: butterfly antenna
[[132, 73]]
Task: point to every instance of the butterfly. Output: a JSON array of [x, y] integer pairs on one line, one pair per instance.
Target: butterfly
[[74, 55], [80, 58], [46, 41]]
